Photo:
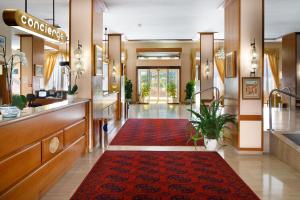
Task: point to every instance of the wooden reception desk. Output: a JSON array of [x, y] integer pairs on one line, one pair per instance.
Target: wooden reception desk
[[39, 146]]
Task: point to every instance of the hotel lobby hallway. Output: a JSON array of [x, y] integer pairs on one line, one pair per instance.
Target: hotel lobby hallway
[[268, 177]]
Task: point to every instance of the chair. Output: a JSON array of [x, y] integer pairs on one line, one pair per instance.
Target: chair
[[30, 98]]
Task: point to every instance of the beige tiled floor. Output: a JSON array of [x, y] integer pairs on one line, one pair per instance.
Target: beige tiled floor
[[268, 177]]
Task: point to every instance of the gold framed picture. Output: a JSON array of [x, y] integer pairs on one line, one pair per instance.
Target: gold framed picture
[[98, 60], [230, 65], [251, 87], [2, 43], [39, 70]]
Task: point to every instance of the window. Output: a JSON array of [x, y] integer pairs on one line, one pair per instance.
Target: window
[[59, 77], [218, 83], [269, 83]]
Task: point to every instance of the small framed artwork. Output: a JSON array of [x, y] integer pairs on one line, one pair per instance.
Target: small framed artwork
[[230, 65], [98, 60], [251, 87], [39, 70], [2, 43]]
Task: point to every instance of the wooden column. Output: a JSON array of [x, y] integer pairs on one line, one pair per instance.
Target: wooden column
[[206, 63], [290, 61], [115, 71], [114, 54], [244, 22], [86, 26]]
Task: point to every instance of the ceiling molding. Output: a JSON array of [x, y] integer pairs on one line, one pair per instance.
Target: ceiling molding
[[158, 50]]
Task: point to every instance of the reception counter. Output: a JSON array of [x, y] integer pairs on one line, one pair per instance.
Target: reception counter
[[39, 146]]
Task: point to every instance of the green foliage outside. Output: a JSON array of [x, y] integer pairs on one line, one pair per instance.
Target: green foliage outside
[[145, 90], [171, 89]]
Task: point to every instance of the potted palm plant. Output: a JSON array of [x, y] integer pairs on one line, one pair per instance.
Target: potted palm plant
[[210, 123], [189, 91], [171, 89]]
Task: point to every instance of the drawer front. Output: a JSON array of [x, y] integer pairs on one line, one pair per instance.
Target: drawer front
[[52, 146], [74, 132], [14, 168]]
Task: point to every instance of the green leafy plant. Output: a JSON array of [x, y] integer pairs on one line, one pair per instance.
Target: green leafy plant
[[171, 89], [190, 90], [73, 90], [128, 89], [210, 122], [145, 91], [19, 101]]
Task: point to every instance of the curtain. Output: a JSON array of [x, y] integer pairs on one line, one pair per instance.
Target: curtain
[[50, 62], [273, 55], [221, 68]]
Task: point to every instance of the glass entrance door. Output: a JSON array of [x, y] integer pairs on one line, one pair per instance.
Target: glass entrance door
[[158, 85]]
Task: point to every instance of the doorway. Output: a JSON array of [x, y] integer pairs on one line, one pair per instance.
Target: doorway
[[158, 84]]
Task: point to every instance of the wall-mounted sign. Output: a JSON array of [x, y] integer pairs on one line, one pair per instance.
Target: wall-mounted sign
[[30, 24]]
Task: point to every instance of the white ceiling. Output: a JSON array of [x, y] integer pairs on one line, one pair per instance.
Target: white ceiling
[[281, 17], [168, 19], [164, 19], [182, 19]]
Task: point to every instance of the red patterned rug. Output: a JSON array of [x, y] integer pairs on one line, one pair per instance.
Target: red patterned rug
[[162, 175], [155, 132]]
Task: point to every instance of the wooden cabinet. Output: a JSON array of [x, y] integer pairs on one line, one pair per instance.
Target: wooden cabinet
[[36, 150]]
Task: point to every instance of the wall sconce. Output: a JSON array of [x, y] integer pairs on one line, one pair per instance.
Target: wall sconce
[[207, 69], [78, 54], [254, 59], [114, 75]]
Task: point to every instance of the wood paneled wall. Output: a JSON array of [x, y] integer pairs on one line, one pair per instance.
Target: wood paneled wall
[[33, 47], [232, 44], [114, 54], [289, 61], [207, 54]]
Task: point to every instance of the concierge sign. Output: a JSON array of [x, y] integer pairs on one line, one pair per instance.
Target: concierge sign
[[30, 24]]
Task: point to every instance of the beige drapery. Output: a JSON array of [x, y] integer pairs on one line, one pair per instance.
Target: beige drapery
[[220, 63], [273, 55], [50, 62]]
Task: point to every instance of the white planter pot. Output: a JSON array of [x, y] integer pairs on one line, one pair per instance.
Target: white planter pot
[[211, 144], [71, 98]]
